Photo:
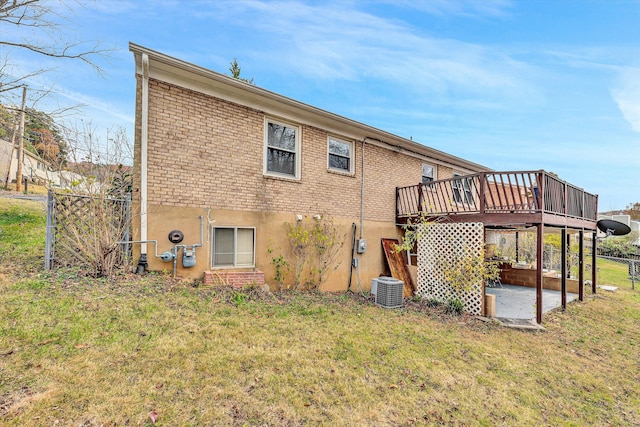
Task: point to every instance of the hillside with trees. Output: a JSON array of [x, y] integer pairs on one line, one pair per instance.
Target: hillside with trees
[[42, 136]]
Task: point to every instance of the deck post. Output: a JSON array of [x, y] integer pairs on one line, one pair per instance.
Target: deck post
[[541, 191], [482, 190], [563, 282], [420, 198], [539, 243], [565, 208], [581, 265]]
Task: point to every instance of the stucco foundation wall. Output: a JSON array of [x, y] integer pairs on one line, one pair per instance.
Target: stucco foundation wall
[[270, 233]]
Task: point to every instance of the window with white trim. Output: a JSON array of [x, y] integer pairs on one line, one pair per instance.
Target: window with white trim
[[282, 149], [340, 155], [428, 173], [233, 247]]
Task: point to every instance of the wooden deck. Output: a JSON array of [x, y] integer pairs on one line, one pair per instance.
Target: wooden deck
[[500, 199], [510, 200]]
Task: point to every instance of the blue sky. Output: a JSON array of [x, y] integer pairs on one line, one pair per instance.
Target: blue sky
[[512, 85]]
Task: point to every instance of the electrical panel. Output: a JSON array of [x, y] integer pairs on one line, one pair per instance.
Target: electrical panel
[[361, 246]]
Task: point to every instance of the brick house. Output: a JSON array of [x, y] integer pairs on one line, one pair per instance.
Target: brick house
[[227, 164]]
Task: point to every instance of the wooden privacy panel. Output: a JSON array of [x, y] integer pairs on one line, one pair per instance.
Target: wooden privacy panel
[[398, 265]]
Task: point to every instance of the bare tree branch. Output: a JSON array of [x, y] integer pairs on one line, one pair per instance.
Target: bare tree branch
[[44, 34], [9, 82]]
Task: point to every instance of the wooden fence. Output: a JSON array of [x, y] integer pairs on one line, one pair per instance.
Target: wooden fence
[[83, 231]]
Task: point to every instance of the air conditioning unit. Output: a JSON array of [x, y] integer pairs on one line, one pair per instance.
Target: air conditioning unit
[[389, 292], [374, 286]]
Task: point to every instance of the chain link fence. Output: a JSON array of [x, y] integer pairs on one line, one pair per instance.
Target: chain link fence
[[633, 267]]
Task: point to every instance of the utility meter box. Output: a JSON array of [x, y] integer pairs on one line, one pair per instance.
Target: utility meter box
[[189, 257], [361, 247]]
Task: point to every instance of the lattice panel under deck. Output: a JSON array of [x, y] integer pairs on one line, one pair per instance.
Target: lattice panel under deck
[[441, 242]]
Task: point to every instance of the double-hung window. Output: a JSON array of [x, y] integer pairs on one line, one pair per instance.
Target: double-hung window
[[428, 173], [233, 247], [282, 149], [462, 192], [340, 155]]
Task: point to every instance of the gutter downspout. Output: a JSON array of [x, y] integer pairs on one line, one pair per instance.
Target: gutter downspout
[[144, 140]]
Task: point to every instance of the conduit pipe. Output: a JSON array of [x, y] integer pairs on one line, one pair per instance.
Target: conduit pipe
[[362, 187], [143, 242], [175, 248]]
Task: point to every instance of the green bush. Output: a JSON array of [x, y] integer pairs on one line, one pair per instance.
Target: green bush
[[433, 302], [620, 247], [455, 307]]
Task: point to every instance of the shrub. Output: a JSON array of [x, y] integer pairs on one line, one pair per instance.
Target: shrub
[[314, 247], [455, 306], [281, 266], [433, 302]]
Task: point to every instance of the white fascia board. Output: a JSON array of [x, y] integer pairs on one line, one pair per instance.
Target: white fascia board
[[180, 73]]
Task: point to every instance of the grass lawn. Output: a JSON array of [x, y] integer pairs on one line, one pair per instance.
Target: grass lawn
[[84, 352], [31, 188]]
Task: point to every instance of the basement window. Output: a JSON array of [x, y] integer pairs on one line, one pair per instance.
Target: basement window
[[233, 247], [282, 149]]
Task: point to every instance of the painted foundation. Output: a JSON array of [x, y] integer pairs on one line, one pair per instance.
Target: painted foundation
[[270, 233]]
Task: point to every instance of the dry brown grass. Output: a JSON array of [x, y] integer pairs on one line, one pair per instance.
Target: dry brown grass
[[31, 188], [95, 353], [80, 351]]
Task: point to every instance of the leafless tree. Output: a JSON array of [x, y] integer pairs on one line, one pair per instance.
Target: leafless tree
[[42, 27], [92, 221]]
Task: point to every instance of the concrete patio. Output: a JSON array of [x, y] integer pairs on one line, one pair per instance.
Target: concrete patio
[[518, 302]]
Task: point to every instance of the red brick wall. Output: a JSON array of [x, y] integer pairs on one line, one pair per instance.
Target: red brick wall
[[234, 278], [527, 277]]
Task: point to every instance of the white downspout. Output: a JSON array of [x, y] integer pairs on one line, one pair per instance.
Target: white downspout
[[144, 140]]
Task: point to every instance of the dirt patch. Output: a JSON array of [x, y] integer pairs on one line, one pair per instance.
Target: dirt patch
[[13, 403]]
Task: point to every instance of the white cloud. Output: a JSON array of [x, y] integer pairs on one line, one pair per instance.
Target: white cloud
[[467, 8], [343, 43], [626, 94]]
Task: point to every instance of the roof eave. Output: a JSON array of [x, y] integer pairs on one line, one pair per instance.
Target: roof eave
[[194, 77]]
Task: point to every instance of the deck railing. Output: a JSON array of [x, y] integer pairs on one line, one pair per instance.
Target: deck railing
[[495, 193]]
